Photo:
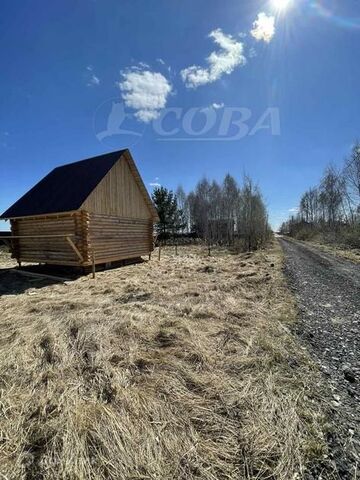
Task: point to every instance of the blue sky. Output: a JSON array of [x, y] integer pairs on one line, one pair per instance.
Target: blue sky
[[66, 64]]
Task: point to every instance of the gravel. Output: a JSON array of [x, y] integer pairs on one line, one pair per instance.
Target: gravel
[[328, 295]]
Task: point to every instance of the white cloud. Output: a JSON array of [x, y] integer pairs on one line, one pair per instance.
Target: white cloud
[[160, 60], [252, 52], [213, 106], [94, 81], [217, 106], [223, 61], [146, 92], [155, 183], [143, 65], [263, 27], [293, 210]]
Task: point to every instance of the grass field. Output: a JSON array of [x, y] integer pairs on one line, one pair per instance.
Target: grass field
[[179, 369], [352, 254]]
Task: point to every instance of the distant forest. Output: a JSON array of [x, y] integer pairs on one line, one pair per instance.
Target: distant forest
[[226, 214], [330, 211]]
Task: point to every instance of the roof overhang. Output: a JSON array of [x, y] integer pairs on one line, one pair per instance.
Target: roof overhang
[[41, 215]]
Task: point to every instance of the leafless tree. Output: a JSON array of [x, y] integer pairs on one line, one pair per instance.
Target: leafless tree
[[183, 206], [224, 214], [309, 204], [199, 208], [332, 209], [252, 219], [352, 179], [230, 206], [332, 194]]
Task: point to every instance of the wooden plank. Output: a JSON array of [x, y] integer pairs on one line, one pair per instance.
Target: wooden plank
[[14, 244], [117, 229], [51, 261], [93, 264], [106, 246], [84, 230], [117, 218], [38, 236], [123, 230], [133, 168], [45, 215], [73, 246], [123, 253], [120, 240], [39, 275], [119, 257], [118, 193], [116, 224], [123, 247], [43, 239], [38, 257], [45, 230], [129, 244], [117, 238]]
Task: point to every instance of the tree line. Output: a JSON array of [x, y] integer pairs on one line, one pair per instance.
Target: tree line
[[220, 214], [331, 209]]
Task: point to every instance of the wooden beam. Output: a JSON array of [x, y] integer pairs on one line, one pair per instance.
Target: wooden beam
[[76, 250], [47, 261], [44, 215], [10, 237], [39, 275], [93, 265]]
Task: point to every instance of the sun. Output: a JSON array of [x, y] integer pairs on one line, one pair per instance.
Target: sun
[[280, 5]]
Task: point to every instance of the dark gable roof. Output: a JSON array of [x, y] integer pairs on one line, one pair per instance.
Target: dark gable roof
[[65, 188]]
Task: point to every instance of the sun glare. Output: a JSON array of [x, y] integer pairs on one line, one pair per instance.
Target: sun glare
[[280, 5]]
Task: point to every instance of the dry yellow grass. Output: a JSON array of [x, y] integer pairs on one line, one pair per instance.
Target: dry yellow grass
[[352, 254], [183, 369]]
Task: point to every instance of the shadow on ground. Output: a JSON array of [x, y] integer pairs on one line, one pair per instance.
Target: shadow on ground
[[15, 281]]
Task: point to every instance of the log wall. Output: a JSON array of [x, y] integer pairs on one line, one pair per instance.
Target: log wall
[[107, 238], [56, 250], [114, 238]]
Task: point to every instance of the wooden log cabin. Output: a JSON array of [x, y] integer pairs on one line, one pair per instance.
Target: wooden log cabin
[[89, 212]]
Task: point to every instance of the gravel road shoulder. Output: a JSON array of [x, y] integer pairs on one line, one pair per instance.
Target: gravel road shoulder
[[327, 289]]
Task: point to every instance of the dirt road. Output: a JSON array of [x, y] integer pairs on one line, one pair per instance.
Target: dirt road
[[328, 295]]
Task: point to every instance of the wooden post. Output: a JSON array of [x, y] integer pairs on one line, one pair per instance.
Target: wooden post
[[93, 265], [159, 251], [176, 252], [149, 256]]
